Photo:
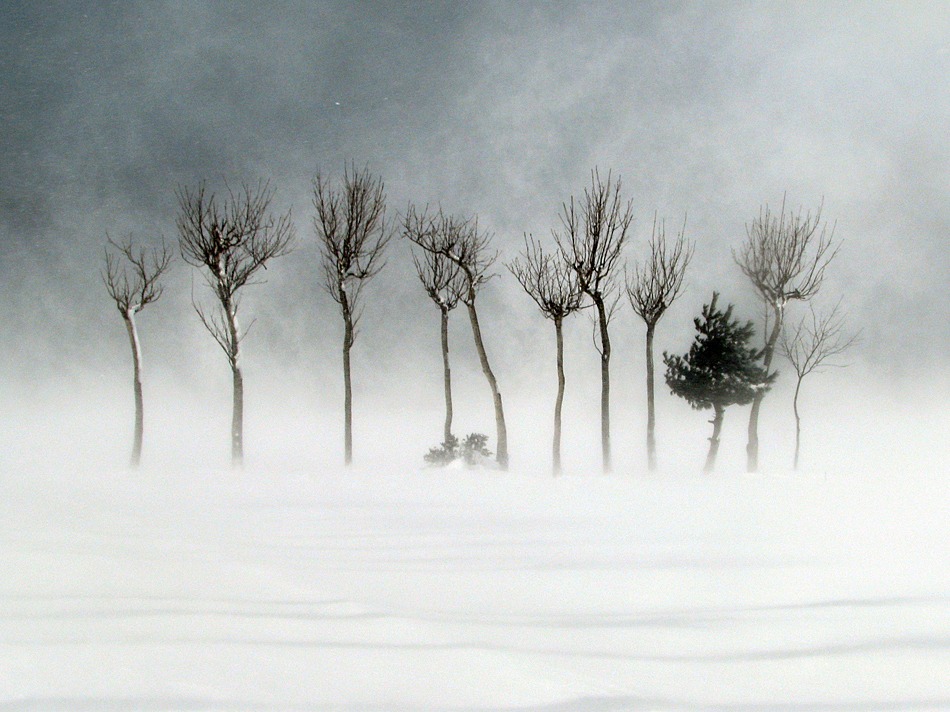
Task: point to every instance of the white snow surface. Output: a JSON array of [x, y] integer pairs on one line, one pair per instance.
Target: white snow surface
[[459, 590]]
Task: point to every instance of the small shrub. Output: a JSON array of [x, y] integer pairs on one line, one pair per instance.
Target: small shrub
[[472, 451], [445, 454]]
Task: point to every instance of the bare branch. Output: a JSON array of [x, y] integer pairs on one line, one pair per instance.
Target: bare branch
[[547, 279], [441, 278], [815, 340], [351, 228], [217, 327], [657, 283], [594, 234], [134, 282], [785, 256], [459, 241], [232, 238]]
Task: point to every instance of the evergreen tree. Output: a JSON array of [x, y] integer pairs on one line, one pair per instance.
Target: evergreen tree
[[720, 369]]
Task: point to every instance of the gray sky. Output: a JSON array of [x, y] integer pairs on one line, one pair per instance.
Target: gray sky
[[501, 109]]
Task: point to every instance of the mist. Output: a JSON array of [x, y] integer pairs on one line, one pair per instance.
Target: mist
[[707, 113]]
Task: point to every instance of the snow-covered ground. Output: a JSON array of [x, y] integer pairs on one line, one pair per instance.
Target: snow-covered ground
[[455, 590]]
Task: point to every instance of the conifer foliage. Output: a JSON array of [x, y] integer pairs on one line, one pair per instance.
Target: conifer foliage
[[720, 369]]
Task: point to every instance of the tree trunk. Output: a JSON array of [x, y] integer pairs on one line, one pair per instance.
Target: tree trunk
[[501, 431], [136, 457], [347, 390], [651, 411], [798, 422], [447, 376], [752, 448], [556, 447], [714, 440], [237, 418], [604, 384], [348, 338], [237, 403]]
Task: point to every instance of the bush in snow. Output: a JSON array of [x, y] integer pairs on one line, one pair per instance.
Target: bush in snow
[[472, 451], [475, 449], [446, 453]]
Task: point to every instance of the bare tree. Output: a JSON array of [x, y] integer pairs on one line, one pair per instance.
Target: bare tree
[[230, 239], [552, 284], [816, 340], [463, 244], [132, 279], [352, 232], [785, 257], [591, 241], [654, 287], [442, 280]]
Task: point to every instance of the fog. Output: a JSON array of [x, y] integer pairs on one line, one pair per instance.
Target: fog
[[706, 111]]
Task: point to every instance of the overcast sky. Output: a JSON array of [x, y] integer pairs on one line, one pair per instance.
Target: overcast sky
[[706, 110]]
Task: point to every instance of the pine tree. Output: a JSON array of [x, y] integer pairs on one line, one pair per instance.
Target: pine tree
[[720, 369]]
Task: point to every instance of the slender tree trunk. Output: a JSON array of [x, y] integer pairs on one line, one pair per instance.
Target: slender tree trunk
[[237, 379], [237, 418], [752, 448], [556, 447], [348, 339], [347, 390], [447, 376], [651, 406], [714, 440], [798, 422], [501, 431], [602, 319], [136, 387]]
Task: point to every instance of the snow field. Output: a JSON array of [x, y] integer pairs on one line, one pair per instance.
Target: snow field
[[460, 590]]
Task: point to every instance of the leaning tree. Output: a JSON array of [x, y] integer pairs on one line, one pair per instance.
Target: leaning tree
[[785, 257], [552, 284], [352, 232], [719, 370], [442, 280], [132, 279], [655, 285], [591, 240], [464, 244], [230, 239], [810, 348]]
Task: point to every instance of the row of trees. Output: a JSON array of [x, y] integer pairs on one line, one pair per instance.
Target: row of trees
[[229, 238]]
